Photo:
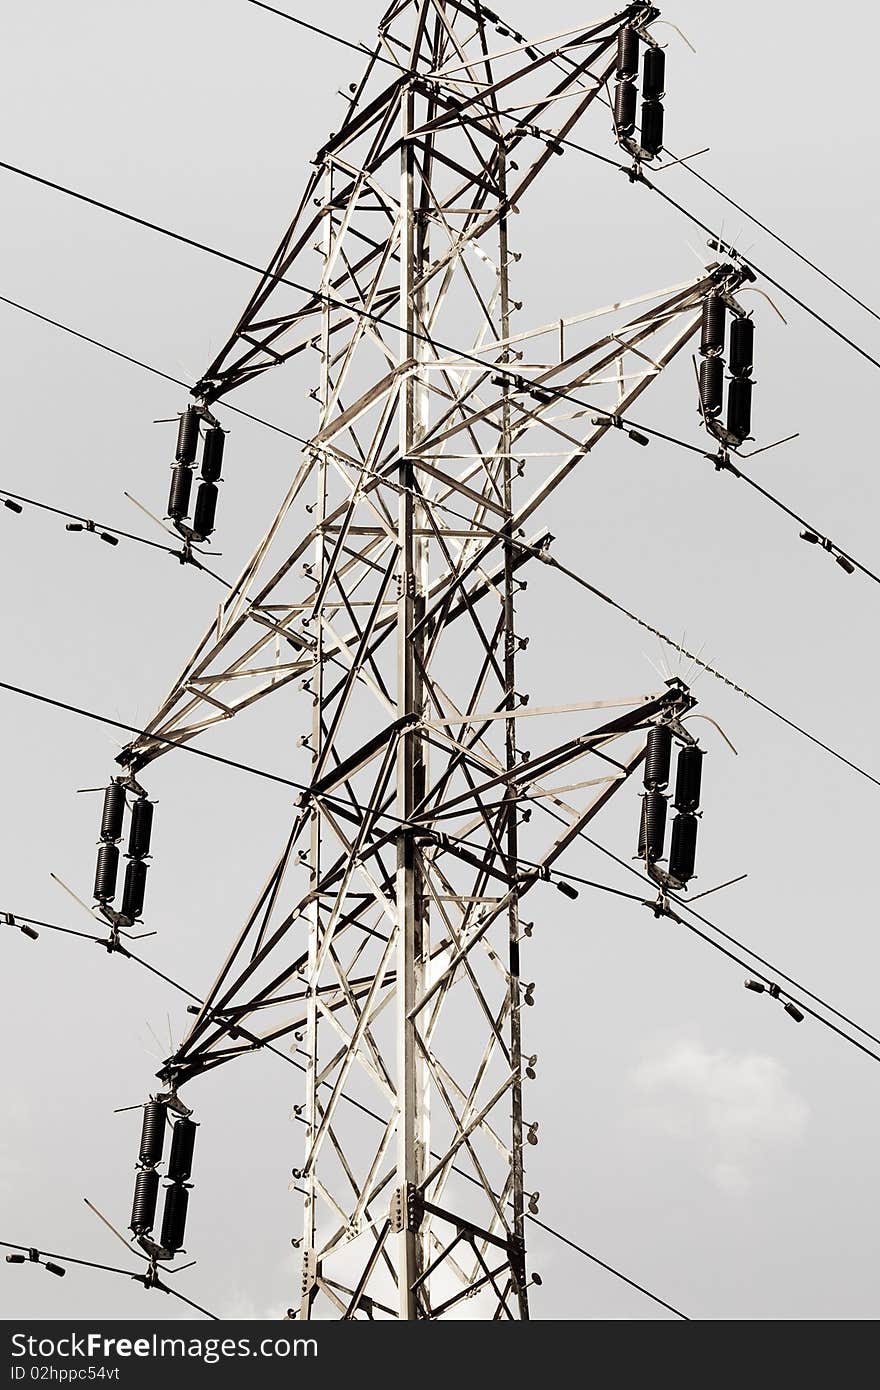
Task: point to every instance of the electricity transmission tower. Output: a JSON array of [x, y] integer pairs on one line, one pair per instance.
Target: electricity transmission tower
[[385, 943]]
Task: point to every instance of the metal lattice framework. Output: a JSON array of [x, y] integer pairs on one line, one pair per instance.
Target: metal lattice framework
[[386, 940]]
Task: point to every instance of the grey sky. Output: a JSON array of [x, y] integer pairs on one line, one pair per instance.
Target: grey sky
[[691, 1134]]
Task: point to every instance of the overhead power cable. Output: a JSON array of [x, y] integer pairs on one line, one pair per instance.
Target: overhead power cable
[[553, 875], [548, 875], [719, 675], [549, 137], [680, 903], [542, 555], [727, 680], [224, 404], [553, 563], [145, 1279], [557, 393], [119, 949], [573, 1245], [637, 175], [144, 366], [326, 34], [111, 533], [764, 274], [780, 239], [686, 907], [802, 989]]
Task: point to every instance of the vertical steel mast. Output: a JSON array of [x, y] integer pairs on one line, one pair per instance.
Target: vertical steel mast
[[384, 947], [412, 897]]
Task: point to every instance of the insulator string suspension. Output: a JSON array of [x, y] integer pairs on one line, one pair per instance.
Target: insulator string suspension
[[686, 801]]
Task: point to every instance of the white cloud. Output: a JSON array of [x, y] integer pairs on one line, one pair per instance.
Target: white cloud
[[281, 1279], [242, 1308], [742, 1107]]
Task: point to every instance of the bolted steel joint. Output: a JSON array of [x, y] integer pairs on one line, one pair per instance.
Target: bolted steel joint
[[406, 1210]]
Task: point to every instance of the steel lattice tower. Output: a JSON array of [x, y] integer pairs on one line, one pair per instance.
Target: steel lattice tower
[[386, 939]]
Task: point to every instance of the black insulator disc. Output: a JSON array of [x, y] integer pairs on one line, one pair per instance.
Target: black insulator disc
[[134, 888], [712, 385], [627, 53], [111, 816], [651, 132], [141, 828], [742, 347], [712, 330], [212, 454], [206, 509], [105, 873], [188, 435], [688, 778], [657, 756], [183, 1139], [683, 850], [653, 74], [143, 1208], [625, 108], [174, 1218], [652, 831], [739, 407], [178, 497], [152, 1133]]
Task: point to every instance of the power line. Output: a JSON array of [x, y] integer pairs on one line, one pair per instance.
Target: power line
[[145, 1279], [160, 738], [550, 875], [704, 665], [145, 366], [812, 532], [616, 1272], [854, 1042], [638, 177], [333, 302], [223, 404], [226, 405], [275, 777], [95, 342], [103, 530], [574, 878], [155, 371], [114, 947], [781, 973], [605, 598], [680, 903], [557, 393], [579, 579], [685, 906], [781, 240], [553, 874], [325, 33], [726, 680], [550, 138], [285, 1057]]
